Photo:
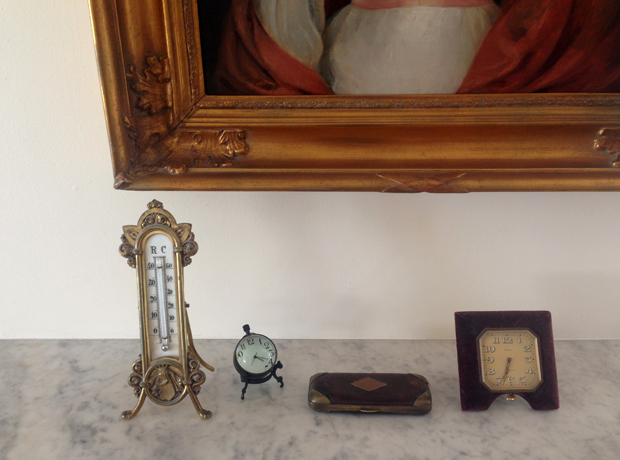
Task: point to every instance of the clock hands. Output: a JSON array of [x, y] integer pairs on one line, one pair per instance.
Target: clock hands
[[507, 368]]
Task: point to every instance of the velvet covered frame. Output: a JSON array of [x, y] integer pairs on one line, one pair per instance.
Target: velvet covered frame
[[470, 324], [167, 134]]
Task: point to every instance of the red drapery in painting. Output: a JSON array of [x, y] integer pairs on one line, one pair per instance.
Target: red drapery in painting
[[535, 46], [550, 46]]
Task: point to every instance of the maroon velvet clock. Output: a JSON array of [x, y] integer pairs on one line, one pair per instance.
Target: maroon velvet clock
[[506, 352]]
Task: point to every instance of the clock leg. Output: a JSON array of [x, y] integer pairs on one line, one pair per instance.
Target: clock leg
[[280, 380], [129, 414], [244, 390], [203, 413]]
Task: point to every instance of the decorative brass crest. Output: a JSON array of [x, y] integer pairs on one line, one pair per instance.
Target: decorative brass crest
[[157, 215], [165, 383]]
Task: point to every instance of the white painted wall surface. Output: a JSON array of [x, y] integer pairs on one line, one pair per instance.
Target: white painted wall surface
[[293, 265]]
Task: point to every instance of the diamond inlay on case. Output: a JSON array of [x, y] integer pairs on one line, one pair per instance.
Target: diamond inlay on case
[[368, 384]]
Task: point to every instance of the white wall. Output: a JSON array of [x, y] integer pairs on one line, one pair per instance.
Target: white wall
[[294, 265]]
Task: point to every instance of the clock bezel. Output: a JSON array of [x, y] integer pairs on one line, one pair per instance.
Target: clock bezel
[[480, 359], [255, 376]]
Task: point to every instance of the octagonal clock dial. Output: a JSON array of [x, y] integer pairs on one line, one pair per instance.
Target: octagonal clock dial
[[509, 360]]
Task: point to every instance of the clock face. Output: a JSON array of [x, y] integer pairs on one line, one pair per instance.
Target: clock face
[[256, 354], [509, 360]]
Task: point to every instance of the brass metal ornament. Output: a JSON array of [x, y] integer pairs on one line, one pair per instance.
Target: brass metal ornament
[[168, 368]]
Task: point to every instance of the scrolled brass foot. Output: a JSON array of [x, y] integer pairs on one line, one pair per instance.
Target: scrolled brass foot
[[129, 414]]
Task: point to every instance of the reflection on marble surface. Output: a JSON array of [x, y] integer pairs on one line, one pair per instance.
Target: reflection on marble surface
[[63, 399]]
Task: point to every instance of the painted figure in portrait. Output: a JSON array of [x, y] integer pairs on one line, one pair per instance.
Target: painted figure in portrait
[[321, 47]]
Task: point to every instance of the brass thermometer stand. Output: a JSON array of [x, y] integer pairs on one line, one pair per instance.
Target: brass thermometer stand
[[168, 368]]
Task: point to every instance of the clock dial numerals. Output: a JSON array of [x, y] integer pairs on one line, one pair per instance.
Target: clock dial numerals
[[161, 296], [509, 360], [256, 354]]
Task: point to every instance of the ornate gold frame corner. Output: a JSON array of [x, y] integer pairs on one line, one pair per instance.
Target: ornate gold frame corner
[[166, 134]]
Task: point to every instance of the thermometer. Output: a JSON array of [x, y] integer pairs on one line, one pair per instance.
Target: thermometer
[[161, 296], [168, 367], [162, 301]]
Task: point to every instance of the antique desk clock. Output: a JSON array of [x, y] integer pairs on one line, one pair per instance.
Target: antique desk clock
[[256, 359], [168, 368], [509, 353]]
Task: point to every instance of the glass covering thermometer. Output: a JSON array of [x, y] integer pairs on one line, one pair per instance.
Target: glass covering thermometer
[[162, 302], [168, 368]]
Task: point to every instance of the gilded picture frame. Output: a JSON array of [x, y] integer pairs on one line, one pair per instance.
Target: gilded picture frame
[[167, 134]]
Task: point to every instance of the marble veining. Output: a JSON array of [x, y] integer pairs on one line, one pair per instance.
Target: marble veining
[[63, 399]]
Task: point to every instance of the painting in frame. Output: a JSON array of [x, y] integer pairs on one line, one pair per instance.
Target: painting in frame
[[172, 127]]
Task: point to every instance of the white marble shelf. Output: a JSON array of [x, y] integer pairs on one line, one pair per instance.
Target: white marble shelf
[[63, 400]]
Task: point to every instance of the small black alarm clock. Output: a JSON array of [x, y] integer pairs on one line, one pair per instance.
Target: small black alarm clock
[[256, 359]]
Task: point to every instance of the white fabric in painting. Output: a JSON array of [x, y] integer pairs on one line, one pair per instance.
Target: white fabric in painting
[[409, 50], [296, 25]]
